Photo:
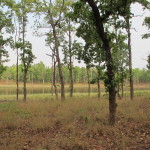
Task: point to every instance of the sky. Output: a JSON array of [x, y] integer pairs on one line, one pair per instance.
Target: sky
[[140, 47]]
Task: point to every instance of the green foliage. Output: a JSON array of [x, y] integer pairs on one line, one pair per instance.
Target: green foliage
[[2, 69], [38, 73], [147, 23], [148, 61], [141, 76], [27, 56], [6, 26]]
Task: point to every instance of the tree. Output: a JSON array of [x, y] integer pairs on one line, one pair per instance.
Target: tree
[[69, 52], [120, 56], [99, 16], [27, 57], [126, 13], [127, 17], [17, 35], [54, 12], [6, 26]]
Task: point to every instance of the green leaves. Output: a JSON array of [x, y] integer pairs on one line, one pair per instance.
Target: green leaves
[[147, 23], [27, 56], [148, 61], [6, 26]]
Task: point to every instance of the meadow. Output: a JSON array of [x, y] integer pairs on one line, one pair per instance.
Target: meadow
[[78, 123]]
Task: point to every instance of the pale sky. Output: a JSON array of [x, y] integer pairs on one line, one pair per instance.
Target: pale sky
[[140, 47]]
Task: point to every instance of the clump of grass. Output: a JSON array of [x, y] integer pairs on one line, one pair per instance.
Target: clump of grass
[[9, 121], [134, 110]]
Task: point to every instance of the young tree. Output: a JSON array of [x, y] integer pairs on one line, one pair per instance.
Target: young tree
[[126, 13], [27, 58], [127, 17], [69, 52], [22, 9], [16, 38], [54, 13], [50, 42]]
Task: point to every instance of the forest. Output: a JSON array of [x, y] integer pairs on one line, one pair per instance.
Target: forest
[[103, 103], [39, 73]]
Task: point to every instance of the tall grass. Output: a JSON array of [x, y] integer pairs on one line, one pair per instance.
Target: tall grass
[[76, 124], [86, 110]]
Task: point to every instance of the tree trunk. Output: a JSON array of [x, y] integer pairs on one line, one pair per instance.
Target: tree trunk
[[58, 61], [127, 19], [89, 85], [112, 107], [71, 84], [24, 85], [17, 76], [98, 88], [70, 63], [71, 81], [109, 61], [43, 79], [25, 72], [122, 90], [98, 82], [54, 80], [52, 84], [130, 59]]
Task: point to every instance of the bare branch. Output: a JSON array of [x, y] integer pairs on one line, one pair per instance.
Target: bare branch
[[139, 15], [134, 29], [49, 55]]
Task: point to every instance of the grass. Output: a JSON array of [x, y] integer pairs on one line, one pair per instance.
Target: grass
[[48, 96], [80, 123]]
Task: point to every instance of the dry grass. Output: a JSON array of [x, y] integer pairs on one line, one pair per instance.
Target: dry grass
[[76, 124]]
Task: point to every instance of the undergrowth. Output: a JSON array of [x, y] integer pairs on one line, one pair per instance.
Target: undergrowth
[[74, 124]]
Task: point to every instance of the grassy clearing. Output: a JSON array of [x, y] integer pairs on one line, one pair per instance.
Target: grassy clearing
[[76, 124], [48, 96]]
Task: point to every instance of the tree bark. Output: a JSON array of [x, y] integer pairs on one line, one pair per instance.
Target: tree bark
[[89, 85], [54, 80], [130, 59], [98, 88], [70, 63], [109, 61], [127, 5], [24, 79], [24, 86], [59, 66], [122, 90], [52, 84], [17, 76], [98, 82], [58, 58]]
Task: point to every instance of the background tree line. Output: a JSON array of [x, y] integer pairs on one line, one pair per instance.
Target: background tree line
[[39, 73]]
